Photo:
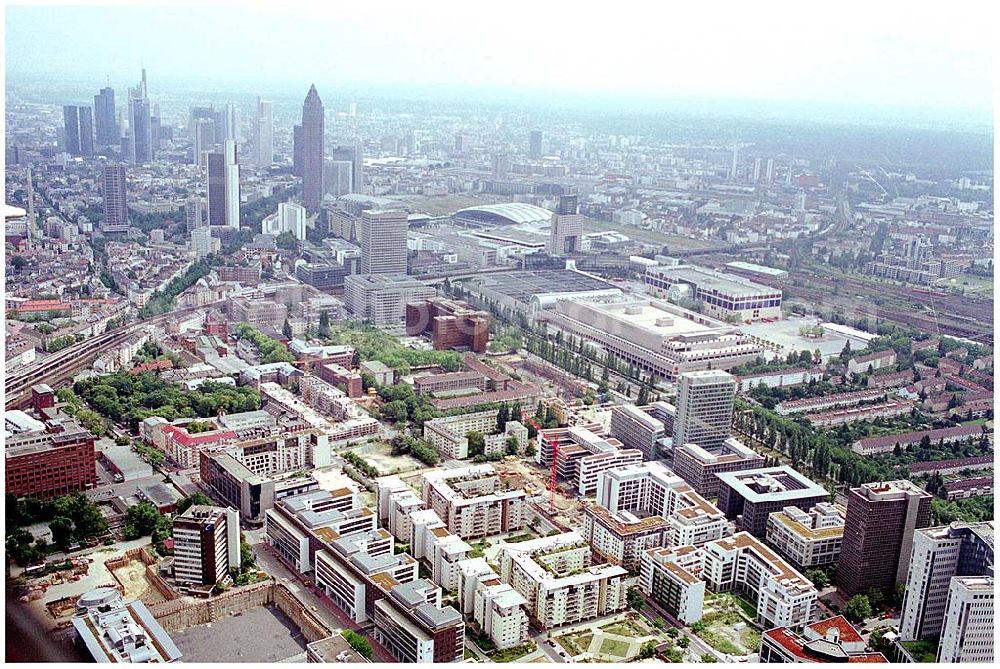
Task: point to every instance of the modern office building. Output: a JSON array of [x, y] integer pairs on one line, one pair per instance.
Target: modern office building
[[71, 129], [451, 324], [312, 143], [562, 585], [382, 298], [472, 501], [535, 144], [566, 227], [112, 631], [941, 555], [353, 154], [224, 187], [48, 461], [705, 408], [206, 544], [751, 496], [969, 631], [140, 127], [337, 177], [383, 241], [115, 200], [807, 539], [105, 117], [263, 133], [878, 535], [637, 429], [725, 296], [700, 468]]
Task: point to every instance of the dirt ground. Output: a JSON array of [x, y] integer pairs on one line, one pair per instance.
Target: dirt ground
[[137, 586]]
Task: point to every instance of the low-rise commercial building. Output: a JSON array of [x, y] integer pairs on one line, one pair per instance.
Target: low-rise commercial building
[[56, 460], [830, 640], [451, 324], [721, 295], [112, 631]]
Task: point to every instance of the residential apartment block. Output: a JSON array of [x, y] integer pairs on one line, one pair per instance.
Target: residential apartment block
[[807, 539]]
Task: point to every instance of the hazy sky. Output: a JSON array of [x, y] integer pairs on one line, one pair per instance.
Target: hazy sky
[[905, 55]]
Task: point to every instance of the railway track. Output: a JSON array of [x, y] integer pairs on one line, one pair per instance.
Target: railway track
[[63, 365]]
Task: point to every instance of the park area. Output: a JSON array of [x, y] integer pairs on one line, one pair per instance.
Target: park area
[[728, 625], [617, 642]]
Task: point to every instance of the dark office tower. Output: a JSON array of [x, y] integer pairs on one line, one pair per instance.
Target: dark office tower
[[297, 151], [878, 535], [86, 132], [351, 152], [104, 116], [568, 204], [535, 146], [115, 200], [71, 130], [224, 187], [312, 150]]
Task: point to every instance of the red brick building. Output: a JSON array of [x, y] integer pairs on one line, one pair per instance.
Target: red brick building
[[340, 377], [51, 463], [450, 324]]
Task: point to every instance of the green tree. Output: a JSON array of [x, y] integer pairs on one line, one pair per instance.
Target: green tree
[[858, 608], [875, 598], [477, 443], [286, 329], [197, 499], [683, 642], [818, 578], [635, 598], [396, 411], [324, 325], [358, 643], [140, 520], [512, 445], [62, 532], [647, 650], [286, 240], [708, 658]]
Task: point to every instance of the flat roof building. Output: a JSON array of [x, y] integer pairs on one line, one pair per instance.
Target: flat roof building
[[751, 496], [382, 298], [721, 295], [808, 539], [112, 631], [700, 468], [878, 535]]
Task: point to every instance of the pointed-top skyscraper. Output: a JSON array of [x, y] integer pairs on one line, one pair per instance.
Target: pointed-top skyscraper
[[312, 150]]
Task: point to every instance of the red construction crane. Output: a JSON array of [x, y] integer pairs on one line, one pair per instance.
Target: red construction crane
[[555, 452]]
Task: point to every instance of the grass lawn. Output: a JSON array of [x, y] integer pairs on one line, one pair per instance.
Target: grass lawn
[[615, 648], [511, 654], [517, 538], [577, 643], [922, 651], [626, 628], [718, 628]]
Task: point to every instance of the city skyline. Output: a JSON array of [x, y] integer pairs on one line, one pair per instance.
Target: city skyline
[[809, 64]]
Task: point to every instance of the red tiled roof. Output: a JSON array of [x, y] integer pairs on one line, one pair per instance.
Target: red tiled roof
[[184, 439], [847, 632], [915, 437]]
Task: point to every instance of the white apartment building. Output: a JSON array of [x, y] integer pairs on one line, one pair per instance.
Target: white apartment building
[[472, 502], [671, 576], [620, 537], [650, 488], [493, 604], [808, 539], [784, 597], [968, 634], [559, 581], [449, 434]]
